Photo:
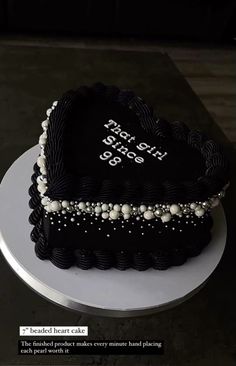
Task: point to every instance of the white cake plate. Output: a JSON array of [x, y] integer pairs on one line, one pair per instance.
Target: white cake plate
[[107, 293]]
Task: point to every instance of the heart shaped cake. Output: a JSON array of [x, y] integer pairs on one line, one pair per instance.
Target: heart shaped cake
[[116, 186]]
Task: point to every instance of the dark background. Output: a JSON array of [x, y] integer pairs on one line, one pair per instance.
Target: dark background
[[197, 20]]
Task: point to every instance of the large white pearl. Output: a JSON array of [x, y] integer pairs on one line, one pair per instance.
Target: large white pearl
[[143, 208], [45, 123], [98, 209], [200, 212], [114, 214], [193, 206], [117, 207], [126, 209], [43, 170], [105, 215], [82, 205], [126, 216], [166, 217], [65, 204], [44, 201], [41, 161], [105, 207], [39, 179], [148, 215], [42, 188], [174, 209], [55, 206], [48, 208]]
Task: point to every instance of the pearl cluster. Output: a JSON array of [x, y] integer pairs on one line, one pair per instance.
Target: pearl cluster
[[41, 161], [125, 211], [111, 211]]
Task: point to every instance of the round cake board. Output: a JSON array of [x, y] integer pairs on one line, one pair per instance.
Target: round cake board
[[107, 293]]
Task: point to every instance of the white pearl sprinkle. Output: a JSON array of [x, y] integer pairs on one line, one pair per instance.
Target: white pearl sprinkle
[[200, 212], [81, 205], [166, 217], [105, 207], [114, 215], [174, 209], [98, 209], [105, 215], [143, 208], [148, 215], [72, 219], [55, 205], [65, 204], [126, 216], [116, 207], [126, 209]]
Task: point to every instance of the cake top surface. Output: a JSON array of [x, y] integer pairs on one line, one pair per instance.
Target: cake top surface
[[106, 144]]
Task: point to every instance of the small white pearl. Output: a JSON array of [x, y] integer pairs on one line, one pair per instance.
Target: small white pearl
[[55, 103], [105, 207], [105, 215], [48, 111], [65, 204], [126, 209], [143, 208], [55, 205], [72, 219], [117, 207], [158, 212], [126, 216], [200, 212], [63, 212], [98, 209], [174, 209], [114, 215], [81, 205], [166, 217]]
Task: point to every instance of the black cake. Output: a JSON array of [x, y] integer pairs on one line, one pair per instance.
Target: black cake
[[116, 186]]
